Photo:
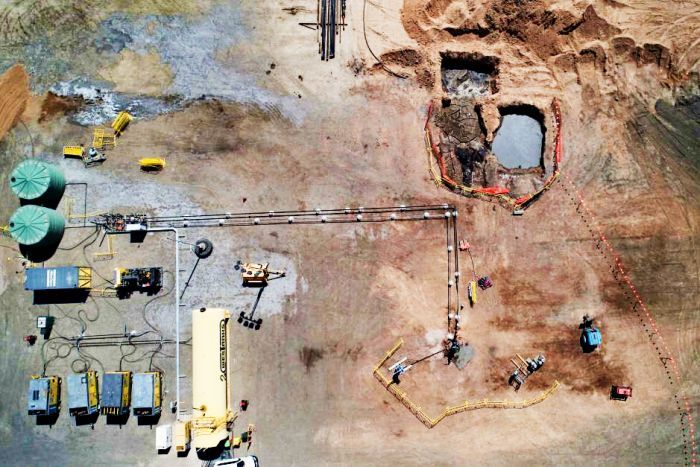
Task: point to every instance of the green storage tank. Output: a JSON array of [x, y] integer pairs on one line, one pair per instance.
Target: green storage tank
[[38, 182], [37, 226]]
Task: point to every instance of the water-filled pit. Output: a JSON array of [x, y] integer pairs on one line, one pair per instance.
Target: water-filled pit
[[519, 141]]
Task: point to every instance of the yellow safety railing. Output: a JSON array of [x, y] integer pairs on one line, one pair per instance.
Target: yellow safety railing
[[106, 255], [212, 423], [103, 292], [434, 171], [102, 139], [71, 215], [429, 421]]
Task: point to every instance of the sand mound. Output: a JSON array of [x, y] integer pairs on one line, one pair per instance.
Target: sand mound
[[14, 92]]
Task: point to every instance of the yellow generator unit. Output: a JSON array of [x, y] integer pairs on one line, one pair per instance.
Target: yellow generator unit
[[152, 164], [116, 393], [83, 394], [44, 395], [211, 402], [121, 122], [147, 389], [74, 151]]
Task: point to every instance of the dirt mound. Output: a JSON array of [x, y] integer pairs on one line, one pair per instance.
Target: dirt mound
[[403, 57], [593, 27], [523, 28], [408, 62], [58, 105], [14, 92]]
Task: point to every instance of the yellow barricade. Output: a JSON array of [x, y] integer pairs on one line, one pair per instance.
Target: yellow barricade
[[430, 422]]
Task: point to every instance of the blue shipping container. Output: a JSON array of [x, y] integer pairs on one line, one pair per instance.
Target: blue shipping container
[[65, 277]]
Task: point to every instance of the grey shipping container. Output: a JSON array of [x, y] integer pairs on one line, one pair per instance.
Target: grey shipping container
[[65, 277]]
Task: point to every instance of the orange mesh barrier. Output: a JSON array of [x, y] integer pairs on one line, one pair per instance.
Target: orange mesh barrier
[[499, 194]]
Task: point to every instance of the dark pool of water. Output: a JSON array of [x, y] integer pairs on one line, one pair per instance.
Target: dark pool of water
[[518, 142]]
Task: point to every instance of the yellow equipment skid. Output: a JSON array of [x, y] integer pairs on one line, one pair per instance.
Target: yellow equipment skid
[[121, 122], [116, 393], [152, 164], [472, 292], [73, 151]]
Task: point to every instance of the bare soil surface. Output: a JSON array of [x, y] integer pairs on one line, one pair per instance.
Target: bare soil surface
[[13, 97], [282, 130]]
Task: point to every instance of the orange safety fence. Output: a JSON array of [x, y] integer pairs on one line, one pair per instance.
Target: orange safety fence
[[638, 306], [497, 193]]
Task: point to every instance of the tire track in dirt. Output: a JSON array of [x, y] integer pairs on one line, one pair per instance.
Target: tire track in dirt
[[25, 21], [631, 294]]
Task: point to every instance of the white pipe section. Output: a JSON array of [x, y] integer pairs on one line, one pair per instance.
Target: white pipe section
[[177, 313]]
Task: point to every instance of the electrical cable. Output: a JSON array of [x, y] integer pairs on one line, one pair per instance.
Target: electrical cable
[[157, 297], [89, 263], [97, 230], [381, 63]]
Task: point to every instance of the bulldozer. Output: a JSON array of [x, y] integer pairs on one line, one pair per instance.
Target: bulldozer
[[257, 274], [90, 158]]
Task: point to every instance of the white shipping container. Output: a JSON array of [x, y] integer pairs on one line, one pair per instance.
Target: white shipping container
[[164, 437]]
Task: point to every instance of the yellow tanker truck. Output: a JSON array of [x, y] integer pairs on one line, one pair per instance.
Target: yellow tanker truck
[[211, 392]]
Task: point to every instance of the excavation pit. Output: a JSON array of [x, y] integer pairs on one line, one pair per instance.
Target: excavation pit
[[469, 162], [519, 141], [468, 75]]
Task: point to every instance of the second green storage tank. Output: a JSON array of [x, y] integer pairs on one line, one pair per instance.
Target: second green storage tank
[[38, 182], [37, 226]]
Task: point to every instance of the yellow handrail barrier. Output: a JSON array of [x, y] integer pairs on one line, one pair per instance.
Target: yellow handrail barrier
[[69, 211], [103, 140], [430, 422], [107, 255]]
